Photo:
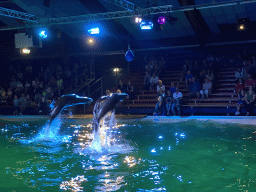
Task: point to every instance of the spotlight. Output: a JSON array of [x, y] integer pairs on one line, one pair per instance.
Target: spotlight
[[161, 20], [93, 31], [241, 27], [138, 20], [25, 51], [116, 69], [43, 34], [91, 41], [147, 24]]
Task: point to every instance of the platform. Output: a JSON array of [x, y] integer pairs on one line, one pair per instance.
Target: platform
[[245, 120]]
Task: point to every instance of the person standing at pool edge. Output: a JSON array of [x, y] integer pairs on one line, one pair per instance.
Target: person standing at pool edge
[[177, 97]]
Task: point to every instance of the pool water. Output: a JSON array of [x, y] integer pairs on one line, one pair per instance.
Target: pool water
[[145, 156]]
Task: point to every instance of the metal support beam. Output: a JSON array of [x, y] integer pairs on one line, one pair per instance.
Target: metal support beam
[[122, 3], [17, 14], [120, 14]]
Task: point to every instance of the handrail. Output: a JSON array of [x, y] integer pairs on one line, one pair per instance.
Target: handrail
[[96, 81], [95, 91], [85, 85]]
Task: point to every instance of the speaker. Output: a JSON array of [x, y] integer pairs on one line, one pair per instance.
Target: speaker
[[47, 3]]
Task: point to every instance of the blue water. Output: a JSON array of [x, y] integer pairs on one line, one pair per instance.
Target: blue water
[[140, 156]]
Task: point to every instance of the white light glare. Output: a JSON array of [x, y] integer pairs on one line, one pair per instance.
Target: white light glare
[[25, 51], [138, 20], [43, 34], [94, 31]]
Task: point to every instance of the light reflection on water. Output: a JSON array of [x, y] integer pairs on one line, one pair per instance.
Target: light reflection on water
[[138, 158]]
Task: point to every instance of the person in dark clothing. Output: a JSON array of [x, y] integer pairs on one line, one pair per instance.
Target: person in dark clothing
[[159, 108], [122, 87], [194, 88]]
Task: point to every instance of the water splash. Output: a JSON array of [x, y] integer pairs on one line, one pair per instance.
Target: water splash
[[50, 131]]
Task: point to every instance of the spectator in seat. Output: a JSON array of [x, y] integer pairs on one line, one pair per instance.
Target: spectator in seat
[[22, 104], [249, 100], [122, 87], [250, 81], [207, 89], [241, 102], [159, 108], [16, 105], [60, 85], [172, 88], [201, 77], [238, 74], [188, 78], [160, 88], [239, 86], [130, 90], [154, 81], [209, 75], [169, 101], [147, 83], [194, 88], [177, 102]]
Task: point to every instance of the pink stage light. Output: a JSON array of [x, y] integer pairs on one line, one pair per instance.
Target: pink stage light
[[161, 20]]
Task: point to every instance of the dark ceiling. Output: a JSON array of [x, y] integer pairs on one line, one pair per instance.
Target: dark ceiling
[[198, 26]]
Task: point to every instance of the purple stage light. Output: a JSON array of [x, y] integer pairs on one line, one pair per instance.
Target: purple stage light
[[161, 20]]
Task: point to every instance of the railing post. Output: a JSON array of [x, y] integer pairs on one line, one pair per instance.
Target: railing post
[[101, 84], [227, 111]]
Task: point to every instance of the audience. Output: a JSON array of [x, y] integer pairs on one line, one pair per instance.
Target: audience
[[239, 74], [147, 83], [207, 88], [239, 86], [241, 102], [159, 108], [249, 100], [177, 98], [249, 81], [194, 89], [130, 90], [154, 81], [169, 101], [160, 88], [188, 78]]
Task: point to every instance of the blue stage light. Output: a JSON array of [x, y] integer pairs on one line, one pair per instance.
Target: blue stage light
[[43, 34], [146, 25], [93, 31]]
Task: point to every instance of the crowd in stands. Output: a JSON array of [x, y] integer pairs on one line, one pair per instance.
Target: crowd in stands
[[31, 89], [200, 82]]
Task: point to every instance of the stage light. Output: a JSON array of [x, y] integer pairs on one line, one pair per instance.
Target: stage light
[[241, 27], [91, 41], [116, 69], [93, 31], [161, 20], [43, 34], [25, 51], [138, 20], [146, 25]]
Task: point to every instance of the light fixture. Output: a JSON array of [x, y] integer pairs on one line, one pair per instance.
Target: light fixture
[[43, 34], [146, 25], [241, 27], [138, 20], [94, 31], [91, 41], [116, 69], [161, 20], [25, 51]]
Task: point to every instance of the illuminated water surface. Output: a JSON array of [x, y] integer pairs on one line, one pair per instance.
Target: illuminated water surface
[[137, 156]]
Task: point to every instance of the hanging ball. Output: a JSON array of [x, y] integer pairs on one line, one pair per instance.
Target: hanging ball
[[129, 56]]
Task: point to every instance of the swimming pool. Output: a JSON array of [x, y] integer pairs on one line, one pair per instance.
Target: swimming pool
[[187, 155]]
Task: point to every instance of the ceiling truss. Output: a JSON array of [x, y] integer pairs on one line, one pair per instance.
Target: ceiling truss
[[32, 21]]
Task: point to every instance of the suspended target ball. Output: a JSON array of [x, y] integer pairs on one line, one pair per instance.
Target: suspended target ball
[[129, 56]]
